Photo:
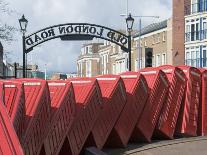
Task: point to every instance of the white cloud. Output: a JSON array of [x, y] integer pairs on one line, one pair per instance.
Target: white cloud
[[62, 56]]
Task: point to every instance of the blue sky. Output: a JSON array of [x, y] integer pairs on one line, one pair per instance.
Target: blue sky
[[61, 56]]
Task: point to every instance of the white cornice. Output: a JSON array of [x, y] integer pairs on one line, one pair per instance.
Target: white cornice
[[151, 33]]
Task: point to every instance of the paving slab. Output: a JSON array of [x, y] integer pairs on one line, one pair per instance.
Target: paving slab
[[181, 146]]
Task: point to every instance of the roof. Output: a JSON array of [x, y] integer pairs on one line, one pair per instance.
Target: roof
[[152, 27]]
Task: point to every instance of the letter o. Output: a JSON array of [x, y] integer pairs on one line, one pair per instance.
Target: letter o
[[92, 30], [44, 35], [69, 29], [123, 40]]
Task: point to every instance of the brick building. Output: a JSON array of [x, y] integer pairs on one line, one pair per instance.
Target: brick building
[[196, 33], [158, 37]]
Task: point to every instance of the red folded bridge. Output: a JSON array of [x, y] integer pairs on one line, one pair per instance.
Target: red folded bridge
[[66, 117], [169, 114], [9, 142], [188, 116], [15, 103], [158, 84], [202, 117], [38, 111], [89, 101], [137, 94], [114, 99], [63, 113]]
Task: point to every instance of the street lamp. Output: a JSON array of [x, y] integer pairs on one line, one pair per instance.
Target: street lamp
[[129, 22], [23, 25]]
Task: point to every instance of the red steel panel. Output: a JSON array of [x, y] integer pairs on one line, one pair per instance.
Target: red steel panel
[[158, 84], [62, 115], [15, 104], [202, 118], [188, 116], [169, 114], [9, 142], [137, 94], [114, 98], [38, 110], [88, 99]]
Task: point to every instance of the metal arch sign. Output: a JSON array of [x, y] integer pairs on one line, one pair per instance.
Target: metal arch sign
[[77, 31]]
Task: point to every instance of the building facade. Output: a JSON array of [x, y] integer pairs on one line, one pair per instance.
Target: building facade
[[196, 34], [59, 76], [177, 41], [89, 60], [109, 58], [158, 38]]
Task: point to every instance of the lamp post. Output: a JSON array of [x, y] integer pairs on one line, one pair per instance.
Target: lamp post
[[23, 25], [129, 22]]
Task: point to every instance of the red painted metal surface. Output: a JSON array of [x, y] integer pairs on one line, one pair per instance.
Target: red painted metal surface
[[89, 101], [169, 114], [188, 116], [137, 94], [158, 84], [114, 97], [15, 103], [9, 142], [202, 117], [62, 115], [38, 110]]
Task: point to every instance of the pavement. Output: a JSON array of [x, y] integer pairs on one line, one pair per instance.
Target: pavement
[[181, 146]]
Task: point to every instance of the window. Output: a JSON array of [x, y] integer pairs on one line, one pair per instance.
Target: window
[[187, 36], [158, 60], [164, 36], [114, 69], [153, 39], [86, 52], [195, 6], [145, 43], [202, 5], [88, 68], [187, 28], [192, 32], [81, 69], [188, 58], [127, 63], [153, 61], [197, 57], [163, 59], [204, 58], [158, 38], [197, 31], [193, 56], [136, 65], [204, 30], [123, 66]]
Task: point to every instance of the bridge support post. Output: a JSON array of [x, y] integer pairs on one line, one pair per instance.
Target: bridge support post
[[130, 52], [24, 56]]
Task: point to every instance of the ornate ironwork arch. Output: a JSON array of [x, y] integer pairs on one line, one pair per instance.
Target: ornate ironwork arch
[[77, 31]]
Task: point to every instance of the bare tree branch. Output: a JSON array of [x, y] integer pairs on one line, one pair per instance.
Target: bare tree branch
[[6, 31]]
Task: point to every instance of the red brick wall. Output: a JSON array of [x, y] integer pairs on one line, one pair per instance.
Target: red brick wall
[[180, 8]]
